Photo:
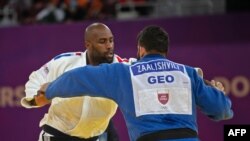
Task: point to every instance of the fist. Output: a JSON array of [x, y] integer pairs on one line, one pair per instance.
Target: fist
[[40, 98], [218, 85]]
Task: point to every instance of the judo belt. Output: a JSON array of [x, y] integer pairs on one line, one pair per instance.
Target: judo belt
[[60, 136], [179, 133]]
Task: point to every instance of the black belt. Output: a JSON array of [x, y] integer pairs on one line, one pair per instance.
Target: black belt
[[60, 136], [179, 133]]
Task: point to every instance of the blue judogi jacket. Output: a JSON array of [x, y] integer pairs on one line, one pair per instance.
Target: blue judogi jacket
[[153, 94]]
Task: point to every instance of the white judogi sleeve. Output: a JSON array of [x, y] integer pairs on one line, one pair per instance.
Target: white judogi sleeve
[[49, 72], [36, 79]]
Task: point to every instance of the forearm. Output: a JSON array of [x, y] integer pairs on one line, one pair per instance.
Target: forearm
[[64, 86]]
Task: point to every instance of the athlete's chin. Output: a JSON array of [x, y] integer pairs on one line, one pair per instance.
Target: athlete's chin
[[110, 59], [107, 60]]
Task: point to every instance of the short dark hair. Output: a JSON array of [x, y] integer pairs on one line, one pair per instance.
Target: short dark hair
[[154, 38]]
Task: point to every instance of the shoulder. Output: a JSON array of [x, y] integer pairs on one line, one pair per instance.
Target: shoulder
[[192, 70], [68, 55], [64, 59], [119, 59]]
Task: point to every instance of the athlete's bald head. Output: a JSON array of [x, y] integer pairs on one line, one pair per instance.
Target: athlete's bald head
[[94, 29]]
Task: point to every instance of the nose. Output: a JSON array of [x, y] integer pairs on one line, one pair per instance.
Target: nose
[[109, 45]]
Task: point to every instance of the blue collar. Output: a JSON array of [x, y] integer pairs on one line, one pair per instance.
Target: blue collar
[[152, 56]]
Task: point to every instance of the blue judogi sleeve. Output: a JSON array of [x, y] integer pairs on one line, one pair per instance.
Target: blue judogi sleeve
[[206, 95], [87, 81]]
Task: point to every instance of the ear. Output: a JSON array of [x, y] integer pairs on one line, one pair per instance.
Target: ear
[[87, 44], [141, 51]]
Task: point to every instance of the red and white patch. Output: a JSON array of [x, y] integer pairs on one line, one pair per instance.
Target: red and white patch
[[78, 53], [163, 98], [121, 59]]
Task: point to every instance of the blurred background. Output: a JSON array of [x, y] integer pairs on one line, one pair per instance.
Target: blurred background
[[30, 12], [211, 34]]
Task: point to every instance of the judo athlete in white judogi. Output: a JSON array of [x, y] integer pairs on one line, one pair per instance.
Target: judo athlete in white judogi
[[80, 118]]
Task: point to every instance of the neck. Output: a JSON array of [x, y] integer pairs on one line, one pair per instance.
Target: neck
[[155, 52], [90, 61]]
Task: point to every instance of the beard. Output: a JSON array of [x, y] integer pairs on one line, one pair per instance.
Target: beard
[[106, 59], [103, 58]]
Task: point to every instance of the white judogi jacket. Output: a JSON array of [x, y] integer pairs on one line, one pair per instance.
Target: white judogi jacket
[[80, 116]]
